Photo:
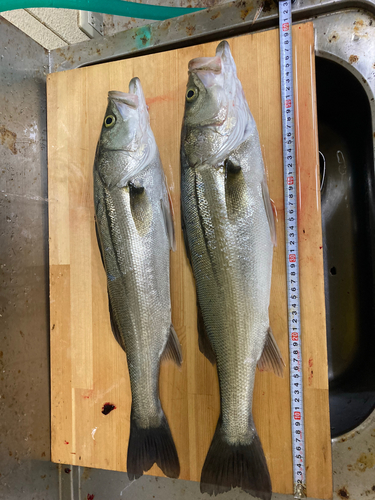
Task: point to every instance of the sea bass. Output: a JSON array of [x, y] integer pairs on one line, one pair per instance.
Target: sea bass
[[135, 233], [229, 232]]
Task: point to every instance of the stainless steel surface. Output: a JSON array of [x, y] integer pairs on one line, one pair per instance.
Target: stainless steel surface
[[233, 18], [24, 339], [24, 412]]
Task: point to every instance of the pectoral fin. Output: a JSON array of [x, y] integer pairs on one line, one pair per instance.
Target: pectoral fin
[[271, 359], [141, 208], [236, 197], [270, 211]]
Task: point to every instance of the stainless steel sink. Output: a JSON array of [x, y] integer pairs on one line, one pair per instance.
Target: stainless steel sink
[[348, 219]]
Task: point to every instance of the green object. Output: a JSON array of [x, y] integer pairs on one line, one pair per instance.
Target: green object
[[116, 7]]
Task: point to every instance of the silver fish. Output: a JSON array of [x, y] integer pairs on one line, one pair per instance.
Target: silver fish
[[229, 232], [135, 233]]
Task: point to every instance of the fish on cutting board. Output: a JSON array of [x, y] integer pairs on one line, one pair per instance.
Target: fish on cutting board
[[229, 232], [135, 234]]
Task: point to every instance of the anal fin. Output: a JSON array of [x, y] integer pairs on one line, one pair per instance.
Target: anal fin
[[172, 349], [271, 359]]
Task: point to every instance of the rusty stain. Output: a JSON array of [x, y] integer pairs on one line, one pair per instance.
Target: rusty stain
[[98, 51], [311, 372], [365, 461], [190, 29], [8, 139], [343, 493], [215, 16], [144, 40], [353, 59], [244, 13], [268, 5], [334, 37], [86, 473], [373, 488]]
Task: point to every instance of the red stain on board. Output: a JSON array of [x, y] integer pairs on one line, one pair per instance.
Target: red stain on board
[[320, 248], [158, 98], [90, 496], [66, 442], [87, 394], [311, 374], [107, 408]]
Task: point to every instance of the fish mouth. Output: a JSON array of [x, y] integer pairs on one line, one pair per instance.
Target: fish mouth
[[129, 99], [212, 64]]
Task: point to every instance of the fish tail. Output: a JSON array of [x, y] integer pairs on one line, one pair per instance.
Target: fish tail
[[229, 465], [151, 445]]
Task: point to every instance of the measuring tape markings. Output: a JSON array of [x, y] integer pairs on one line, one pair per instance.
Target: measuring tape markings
[[292, 256]]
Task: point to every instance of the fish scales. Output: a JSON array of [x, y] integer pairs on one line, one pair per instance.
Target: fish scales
[[229, 232], [135, 234]]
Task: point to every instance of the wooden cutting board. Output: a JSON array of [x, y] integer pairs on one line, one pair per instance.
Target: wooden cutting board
[[88, 368]]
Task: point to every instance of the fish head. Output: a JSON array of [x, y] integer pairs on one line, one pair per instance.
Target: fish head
[[127, 144], [215, 104], [126, 120]]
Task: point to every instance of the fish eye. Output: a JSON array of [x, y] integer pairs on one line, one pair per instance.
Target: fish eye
[[191, 94], [109, 121]]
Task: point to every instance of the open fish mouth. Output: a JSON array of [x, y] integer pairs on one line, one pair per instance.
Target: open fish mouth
[[212, 64], [129, 99]]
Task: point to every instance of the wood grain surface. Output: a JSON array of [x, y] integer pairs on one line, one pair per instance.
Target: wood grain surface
[[88, 368]]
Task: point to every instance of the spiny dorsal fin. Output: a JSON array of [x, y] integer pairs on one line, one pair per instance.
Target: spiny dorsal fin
[[271, 359], [184, 233], [167, 209], [205, 346], [115, 329], [269, 210], [172, 349]]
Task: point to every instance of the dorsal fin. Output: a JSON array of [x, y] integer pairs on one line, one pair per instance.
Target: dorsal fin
[[269, 210], [204, 342]]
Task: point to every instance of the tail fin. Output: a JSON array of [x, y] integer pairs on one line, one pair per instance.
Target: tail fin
[[149, 446], [243, 465]]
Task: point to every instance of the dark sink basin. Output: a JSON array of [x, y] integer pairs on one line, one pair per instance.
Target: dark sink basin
[[348, 218]]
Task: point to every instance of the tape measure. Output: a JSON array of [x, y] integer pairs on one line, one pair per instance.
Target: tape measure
[[291, 239]]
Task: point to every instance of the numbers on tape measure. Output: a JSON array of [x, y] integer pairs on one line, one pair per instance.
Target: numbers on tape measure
[[291, 241]]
